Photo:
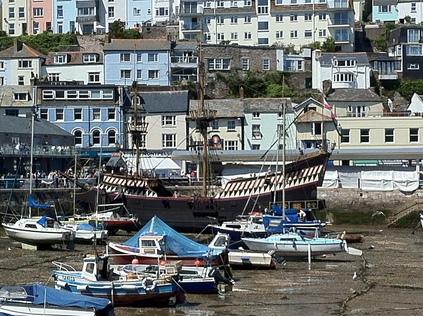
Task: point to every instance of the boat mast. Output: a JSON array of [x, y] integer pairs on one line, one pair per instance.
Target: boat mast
[[31, 176], [203, 117], [138, 126]]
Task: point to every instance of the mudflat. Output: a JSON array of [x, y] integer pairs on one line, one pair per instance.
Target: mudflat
[[384, 280]]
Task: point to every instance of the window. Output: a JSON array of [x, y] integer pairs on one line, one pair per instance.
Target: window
[[256, 132], [48, 95], [20, 96], [54, 77], [247, 35], [344, 62], [263, 41], [11, 28], [153, 74], [168, 120], [218, 64], [356, 111], [2, 81], [413, 66], [316, 128], [231, 125], [35, 27], [256, 115], [59, 114], [247, 3], [111, 114], [308, 34], [125, 57], [111, 137], [21, 80], [21, 12], [96, 114], [234, 4], [12, 13], [89, 58], [231, 145], [139, 74], [308, 17], [84, 94], [234, 20], [342, 35], [263, 26], [322, 32], [293, 34], [343, 77], [162, 11], [220, 20], [220, 4], [389, 135], [221, 36], [266, 64], [364, 135], [60, 59], [125, 74], [96, 137], [414, 50], [78, 137], [345, 135], [93, 77], [215, 125], [60, 27], [38, 12], [234, 36], [169, 140], [322, 16], [207, 20], [25, 63], [88, 11], [255, 146], [247, 19], [2, 65], [279, 18], [153, 57], [245, 63], [293, 17], [77, 114], [414, 135], [60, 11], [44, 114], [384, 8], [137, 11]]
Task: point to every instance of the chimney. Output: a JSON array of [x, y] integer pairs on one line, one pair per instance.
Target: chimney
[[241, 92]]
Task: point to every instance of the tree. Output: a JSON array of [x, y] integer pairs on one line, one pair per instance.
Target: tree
[[408, 87], [117, 30], [329, 45], [48, 42]]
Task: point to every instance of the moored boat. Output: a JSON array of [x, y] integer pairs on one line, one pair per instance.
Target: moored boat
[[36, 299], [98, 280]]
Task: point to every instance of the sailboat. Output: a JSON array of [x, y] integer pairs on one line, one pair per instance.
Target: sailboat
[[149, 196], [39, 232]]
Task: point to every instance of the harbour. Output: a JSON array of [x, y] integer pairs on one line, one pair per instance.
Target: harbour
[[384, 279]]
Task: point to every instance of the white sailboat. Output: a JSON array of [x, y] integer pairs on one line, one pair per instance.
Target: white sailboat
[[42, 231]]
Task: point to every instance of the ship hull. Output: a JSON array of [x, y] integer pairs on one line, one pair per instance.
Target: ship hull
[[187, 213]]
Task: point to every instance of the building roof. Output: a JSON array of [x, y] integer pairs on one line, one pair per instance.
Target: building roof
[[165, 101], [326, 58], [353, 95], [22, 125], [137, 45], [21, 50], [74, 58], [223, 107], [7, 97]]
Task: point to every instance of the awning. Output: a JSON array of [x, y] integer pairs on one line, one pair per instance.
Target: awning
[[154, 163], [116, 162]]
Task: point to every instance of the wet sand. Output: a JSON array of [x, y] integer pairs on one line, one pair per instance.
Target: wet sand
[[388, 279]]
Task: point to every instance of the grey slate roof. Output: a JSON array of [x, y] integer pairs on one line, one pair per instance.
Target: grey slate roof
[[326, 58], [22, 125], [165, 101], [137, 45], [20, 50], [353, 95]]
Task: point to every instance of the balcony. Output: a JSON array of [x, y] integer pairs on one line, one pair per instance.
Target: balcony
[[86, 18], [191, 26], [340, 22]]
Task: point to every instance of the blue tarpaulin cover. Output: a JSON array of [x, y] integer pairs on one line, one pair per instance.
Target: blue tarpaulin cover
[[43, 220], [43, 294], [32, 203], [174, 242]]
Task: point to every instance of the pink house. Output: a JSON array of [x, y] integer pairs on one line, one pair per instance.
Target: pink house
[[40, 16]]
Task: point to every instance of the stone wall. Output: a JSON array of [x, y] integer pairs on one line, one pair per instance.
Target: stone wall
[[355, 200]]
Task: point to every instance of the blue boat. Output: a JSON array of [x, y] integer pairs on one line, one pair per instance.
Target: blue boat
[[37, 299], [97, 279]]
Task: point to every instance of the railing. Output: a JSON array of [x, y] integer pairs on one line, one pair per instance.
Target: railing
[[184, 59], [25, 150], [338, 4]]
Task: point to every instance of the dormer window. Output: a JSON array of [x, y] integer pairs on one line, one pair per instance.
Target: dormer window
[[344, 62], [25, 63], [21, 96], [89, 58], [60, 59]]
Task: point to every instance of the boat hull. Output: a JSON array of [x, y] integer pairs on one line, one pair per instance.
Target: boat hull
[[20, 309], [188, 213], [290, 247], [37, 236]]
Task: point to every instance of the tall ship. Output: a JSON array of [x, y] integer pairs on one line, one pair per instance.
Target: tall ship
[[189, 210]]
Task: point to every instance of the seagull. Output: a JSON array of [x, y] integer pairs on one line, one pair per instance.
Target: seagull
[[371, 247], [8, 248], [378, 213], [355, 276]]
